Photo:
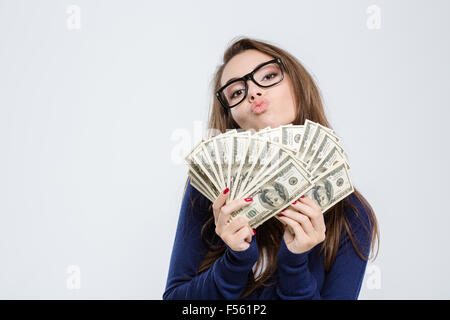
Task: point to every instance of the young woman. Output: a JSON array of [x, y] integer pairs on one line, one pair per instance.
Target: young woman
[[326, 256]]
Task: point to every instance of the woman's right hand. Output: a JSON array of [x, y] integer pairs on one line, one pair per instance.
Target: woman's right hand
[[237, 234]]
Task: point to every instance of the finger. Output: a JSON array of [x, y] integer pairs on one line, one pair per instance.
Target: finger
[[320, 221], [298, 231], [310, 202], [252, 233], [286, 226], [249, 236], [300, 218], [220, 201], [278, 216], [237, 224], [245, 234], [228, 209], [315, 215]]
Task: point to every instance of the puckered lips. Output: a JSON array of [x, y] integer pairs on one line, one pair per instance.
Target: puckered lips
[[259, 106]]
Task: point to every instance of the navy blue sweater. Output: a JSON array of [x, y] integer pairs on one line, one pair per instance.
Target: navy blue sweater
[[300, 276]]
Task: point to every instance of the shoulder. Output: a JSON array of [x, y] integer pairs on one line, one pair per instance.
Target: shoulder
[[361, 221], [358, 211], [195, 206], [195, 198]]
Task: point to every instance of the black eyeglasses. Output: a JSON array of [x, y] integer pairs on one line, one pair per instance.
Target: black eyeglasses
[[235, 90]]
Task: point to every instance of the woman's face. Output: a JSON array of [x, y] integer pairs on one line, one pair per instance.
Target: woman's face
[[281, 109]]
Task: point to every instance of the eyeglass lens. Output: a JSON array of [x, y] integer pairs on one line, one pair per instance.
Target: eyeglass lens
[[266, 76]]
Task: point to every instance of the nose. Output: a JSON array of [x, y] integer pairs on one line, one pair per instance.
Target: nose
[[253, 91]]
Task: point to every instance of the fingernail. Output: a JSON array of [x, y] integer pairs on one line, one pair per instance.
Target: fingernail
[[226, 190], [254, 232], [248, 199], [302, 196], [283, 210], [294, 202]]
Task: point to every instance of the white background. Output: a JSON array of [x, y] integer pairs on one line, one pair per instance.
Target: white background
[[90, 171]]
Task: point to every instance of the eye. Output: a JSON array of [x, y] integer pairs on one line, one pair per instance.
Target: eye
[[233, 95], [270, 76]]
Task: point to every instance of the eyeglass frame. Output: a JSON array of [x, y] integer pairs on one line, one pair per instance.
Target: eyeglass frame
[[247, 77]]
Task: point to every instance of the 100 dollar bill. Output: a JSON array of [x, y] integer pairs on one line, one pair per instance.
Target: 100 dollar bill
[[275, 193], [332, 186]]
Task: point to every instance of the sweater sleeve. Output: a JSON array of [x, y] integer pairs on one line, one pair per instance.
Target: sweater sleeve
[[344, 280], [225, 279]]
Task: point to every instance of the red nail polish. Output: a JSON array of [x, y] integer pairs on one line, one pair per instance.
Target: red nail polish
[[294, 202], [302, 196], [254, 232], [248, 199], [283, 210], [226, 190]]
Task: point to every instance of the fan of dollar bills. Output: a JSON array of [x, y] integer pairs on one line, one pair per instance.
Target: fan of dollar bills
[[275, 166]]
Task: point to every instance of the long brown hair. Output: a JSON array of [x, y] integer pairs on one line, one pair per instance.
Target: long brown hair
[[309, 106]]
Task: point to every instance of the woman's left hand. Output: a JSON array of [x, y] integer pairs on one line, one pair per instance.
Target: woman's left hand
[[306, 220]]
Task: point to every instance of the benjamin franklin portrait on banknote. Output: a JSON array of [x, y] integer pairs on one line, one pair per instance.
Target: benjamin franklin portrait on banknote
[[322, 193], [273, 196]]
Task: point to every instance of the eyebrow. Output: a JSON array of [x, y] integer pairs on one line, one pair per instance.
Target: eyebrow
[[234, 78]]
